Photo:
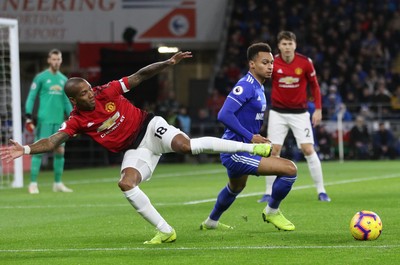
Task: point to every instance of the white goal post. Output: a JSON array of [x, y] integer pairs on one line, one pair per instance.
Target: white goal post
[[10, 99]]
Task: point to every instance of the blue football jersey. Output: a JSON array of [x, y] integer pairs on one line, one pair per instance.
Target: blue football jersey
[[243, 110]]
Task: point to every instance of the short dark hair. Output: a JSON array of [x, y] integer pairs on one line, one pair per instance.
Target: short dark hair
[[287, 35], [54, 51], [255, 48]]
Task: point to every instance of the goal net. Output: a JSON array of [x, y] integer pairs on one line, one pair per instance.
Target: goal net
[[11, 174]]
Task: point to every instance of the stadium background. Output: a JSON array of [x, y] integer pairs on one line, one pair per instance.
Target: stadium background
[[352, 43]]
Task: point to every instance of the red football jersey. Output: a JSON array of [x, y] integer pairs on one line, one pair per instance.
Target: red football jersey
[[289, 83], [114, 123]]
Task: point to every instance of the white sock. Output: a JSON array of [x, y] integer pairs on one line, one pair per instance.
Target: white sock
[[314, 165], [269, 181], [211, 223], [212, 145], [270, 210], [139, 200]]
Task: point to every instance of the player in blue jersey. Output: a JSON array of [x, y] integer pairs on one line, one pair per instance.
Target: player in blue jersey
[[243, 114]]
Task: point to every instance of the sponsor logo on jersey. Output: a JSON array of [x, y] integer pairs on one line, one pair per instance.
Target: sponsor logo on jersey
[[288, 80], [298, 71], [279, 71], [264, 107], [238, 90], [110, 107], [260, 116], [109, 122], [55, 88]]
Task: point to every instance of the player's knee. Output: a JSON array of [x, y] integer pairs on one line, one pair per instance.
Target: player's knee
[[125, 185], [128, 181], [186, 149], [180, 144], [237, 188], [291, 168], [308, 149]]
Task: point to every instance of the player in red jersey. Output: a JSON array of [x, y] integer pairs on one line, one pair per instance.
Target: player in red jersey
[[292, 74], [111, 120]]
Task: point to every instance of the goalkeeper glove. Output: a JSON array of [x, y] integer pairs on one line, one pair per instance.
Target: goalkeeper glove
[[29, 125]]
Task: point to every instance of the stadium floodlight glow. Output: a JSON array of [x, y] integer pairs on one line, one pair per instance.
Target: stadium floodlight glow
[[165, 49]]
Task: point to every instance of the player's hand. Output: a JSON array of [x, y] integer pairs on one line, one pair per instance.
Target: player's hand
[[177, 57], [11, 152], [29, 126], [259, 139], [316, 117]]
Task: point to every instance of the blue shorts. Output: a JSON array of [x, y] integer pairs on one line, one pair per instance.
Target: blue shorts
[[240, 164]]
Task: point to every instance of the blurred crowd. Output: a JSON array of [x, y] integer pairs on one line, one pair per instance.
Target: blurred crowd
[[357, 60], [356, 56], [352, 45]]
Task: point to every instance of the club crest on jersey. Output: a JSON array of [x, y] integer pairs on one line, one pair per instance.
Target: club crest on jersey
[[298, 71], [110, 107], [237, 90]]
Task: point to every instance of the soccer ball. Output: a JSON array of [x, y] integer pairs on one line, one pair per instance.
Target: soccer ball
[[366, 225]]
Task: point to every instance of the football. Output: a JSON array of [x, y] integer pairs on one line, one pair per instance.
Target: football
[[366, 225]]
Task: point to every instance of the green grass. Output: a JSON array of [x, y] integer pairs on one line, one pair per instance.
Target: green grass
[[96, 225]]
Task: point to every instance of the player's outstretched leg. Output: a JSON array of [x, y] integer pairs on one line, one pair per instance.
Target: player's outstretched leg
[[212, 145], [161, 237]]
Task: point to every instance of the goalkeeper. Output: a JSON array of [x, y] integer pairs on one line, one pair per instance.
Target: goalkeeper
[[52, 108]]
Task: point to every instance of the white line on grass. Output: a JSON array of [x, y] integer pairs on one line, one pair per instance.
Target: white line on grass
[[302, 187], [165, 175], [114, 180], [194, 248], [245, 195], [197, 201]]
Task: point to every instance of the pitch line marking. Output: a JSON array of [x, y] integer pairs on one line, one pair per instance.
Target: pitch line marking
[[197, 201], [43, 250], [300, 188], [112, 180]]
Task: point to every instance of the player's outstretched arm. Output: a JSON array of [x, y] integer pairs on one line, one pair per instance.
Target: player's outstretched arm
[[15, 150], [155, 68], [11, 152]]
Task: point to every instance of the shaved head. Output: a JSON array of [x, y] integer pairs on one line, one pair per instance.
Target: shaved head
[[72, 87]]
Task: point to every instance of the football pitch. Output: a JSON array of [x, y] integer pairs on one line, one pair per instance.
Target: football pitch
[[96, 225]]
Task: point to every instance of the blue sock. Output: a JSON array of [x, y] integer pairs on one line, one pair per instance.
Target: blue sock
[[281, 187], [225, 198]]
